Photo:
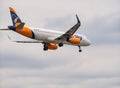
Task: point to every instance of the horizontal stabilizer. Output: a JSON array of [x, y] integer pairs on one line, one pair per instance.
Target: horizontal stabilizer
[[28, 41], [4, 29]]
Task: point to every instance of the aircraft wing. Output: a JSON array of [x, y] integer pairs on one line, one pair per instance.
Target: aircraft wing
[[28, 41], [71, 31]]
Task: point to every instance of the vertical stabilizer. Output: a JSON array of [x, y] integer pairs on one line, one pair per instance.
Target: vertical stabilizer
[[14, 17]]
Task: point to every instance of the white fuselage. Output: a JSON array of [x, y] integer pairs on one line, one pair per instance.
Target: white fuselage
[[50, 35]]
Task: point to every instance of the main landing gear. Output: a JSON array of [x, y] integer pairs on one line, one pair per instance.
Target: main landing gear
[[45, 47], [60, 44], [80, 49]]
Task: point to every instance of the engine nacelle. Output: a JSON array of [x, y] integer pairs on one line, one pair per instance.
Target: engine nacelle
[[74, 40], [52, 46]]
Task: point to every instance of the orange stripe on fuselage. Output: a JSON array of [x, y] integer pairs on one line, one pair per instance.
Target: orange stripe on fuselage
[[25, 31]]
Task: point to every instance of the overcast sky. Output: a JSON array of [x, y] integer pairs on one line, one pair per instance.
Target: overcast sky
[[28, 66]]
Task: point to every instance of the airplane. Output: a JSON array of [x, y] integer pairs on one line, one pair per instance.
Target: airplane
[[50, 39]]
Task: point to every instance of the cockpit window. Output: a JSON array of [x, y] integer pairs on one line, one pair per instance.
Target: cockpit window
[[78, 36]]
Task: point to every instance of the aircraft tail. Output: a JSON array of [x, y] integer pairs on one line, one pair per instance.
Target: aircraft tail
[[14, 16], [15, 19], [18, 25]]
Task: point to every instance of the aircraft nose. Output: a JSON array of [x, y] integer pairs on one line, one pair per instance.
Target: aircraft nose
[[88, 42]]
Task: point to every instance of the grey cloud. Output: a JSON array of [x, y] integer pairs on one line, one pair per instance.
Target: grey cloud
[[13, 55], [83, 70], [15, 60], [104, 29], [61, 23]]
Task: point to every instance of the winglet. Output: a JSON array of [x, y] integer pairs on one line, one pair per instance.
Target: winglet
[[77, 18]]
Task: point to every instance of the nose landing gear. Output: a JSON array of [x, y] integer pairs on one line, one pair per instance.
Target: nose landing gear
[[45, 47], [80, 49]]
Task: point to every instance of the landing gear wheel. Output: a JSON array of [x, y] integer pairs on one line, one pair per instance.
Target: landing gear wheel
[[67, 39], [60, 44], [45, 47], [80, 49]]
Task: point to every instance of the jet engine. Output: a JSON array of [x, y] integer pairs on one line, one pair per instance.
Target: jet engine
[[74, 40], [52, 46]]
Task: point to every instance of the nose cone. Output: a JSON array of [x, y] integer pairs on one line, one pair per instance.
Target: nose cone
[[87, 42]]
